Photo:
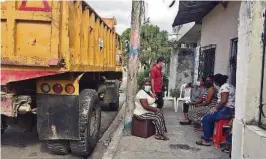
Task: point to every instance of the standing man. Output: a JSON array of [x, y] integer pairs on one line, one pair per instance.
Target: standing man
[[157, 81]]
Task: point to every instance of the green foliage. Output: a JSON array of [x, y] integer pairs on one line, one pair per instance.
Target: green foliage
[[142, 76], [125, 37], [154, 43]]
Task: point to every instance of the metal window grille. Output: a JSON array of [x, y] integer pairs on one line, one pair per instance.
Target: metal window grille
[[262, 117], [206, 61], [233, 61]]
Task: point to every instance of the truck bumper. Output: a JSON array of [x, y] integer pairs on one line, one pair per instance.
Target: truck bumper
[[58, 117]]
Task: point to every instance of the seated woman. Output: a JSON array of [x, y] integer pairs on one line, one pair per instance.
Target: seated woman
[[205, 103], [196, 93], [223, 110], [146, 108]]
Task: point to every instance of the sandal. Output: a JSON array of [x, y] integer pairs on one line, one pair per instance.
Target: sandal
[[185, 122], [226, 150], [202, 137], [197, 126], [161, 138], [198, 129], [166, 138], [202, 144]]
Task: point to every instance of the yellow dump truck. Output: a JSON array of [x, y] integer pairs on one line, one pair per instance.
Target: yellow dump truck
[[60, 60]]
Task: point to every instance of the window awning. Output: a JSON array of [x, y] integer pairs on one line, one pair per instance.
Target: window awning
[[193, 11]]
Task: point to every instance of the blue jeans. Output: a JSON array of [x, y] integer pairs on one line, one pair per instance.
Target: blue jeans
[[229, 139], [208, 121]]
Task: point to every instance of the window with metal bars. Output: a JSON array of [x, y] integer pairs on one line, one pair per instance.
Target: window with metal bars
[[206, 61], [262, 110], [233, 61]]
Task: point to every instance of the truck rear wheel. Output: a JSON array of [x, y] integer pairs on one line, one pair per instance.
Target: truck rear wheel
[[60, 147], [3, 124], [115, 105], [89, 123]]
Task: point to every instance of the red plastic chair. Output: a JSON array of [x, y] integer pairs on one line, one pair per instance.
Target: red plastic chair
[[219, 136]]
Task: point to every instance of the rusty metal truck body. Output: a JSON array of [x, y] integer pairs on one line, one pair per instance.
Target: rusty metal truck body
[[59, 61]]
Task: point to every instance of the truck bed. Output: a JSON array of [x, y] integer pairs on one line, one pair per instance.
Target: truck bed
[[50, 37]]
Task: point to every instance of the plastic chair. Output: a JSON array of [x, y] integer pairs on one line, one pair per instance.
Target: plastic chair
[[219, 136], [186, 96], [168, 97]]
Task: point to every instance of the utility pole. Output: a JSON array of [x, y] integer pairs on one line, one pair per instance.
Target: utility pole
[[133, 63]]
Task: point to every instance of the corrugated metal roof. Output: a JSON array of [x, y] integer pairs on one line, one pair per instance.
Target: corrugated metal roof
[[193, 11]]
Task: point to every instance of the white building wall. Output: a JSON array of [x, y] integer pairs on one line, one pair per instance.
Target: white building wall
[[181, 68], [196, 64], [219, 27], [249, 140], [173, 66]]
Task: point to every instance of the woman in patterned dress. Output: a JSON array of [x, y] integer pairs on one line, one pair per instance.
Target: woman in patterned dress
[[196, 93], [202, 105], [208, 100]]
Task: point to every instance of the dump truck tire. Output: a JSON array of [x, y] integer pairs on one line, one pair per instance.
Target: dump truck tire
[[3, 124], [89, 123], [59, 147], [115, 106], [2, 131]]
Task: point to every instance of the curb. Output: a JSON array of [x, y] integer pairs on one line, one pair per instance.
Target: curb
[[103, 146], [111, 149]]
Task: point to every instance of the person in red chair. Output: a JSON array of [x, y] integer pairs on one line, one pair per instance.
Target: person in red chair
[[146, 109], [223, 110]]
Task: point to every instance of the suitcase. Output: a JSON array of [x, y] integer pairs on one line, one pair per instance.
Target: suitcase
[[142, 128]]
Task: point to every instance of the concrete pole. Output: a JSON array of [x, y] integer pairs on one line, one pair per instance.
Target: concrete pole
[[133, 64]]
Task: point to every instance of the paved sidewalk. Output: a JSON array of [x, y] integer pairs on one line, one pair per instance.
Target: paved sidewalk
[[180, 146]]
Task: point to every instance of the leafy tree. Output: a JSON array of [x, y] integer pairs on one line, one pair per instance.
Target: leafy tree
[[125, 37], [154, 43]]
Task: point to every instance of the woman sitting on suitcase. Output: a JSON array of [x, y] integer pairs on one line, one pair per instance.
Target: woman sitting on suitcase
[[146, 109]]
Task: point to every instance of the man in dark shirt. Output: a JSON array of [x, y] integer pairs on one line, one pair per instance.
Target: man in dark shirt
[[157, 82]]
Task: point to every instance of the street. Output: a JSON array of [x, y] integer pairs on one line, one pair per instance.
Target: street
[[25, 145]]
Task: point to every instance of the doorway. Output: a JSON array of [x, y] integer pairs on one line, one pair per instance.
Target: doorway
[[233, 61]]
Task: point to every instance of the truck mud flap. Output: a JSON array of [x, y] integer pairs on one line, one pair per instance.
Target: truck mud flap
[[112, 92], [57, 117]]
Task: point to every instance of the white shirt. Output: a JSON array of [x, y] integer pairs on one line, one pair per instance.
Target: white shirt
[[231, 98], [139, 110]]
